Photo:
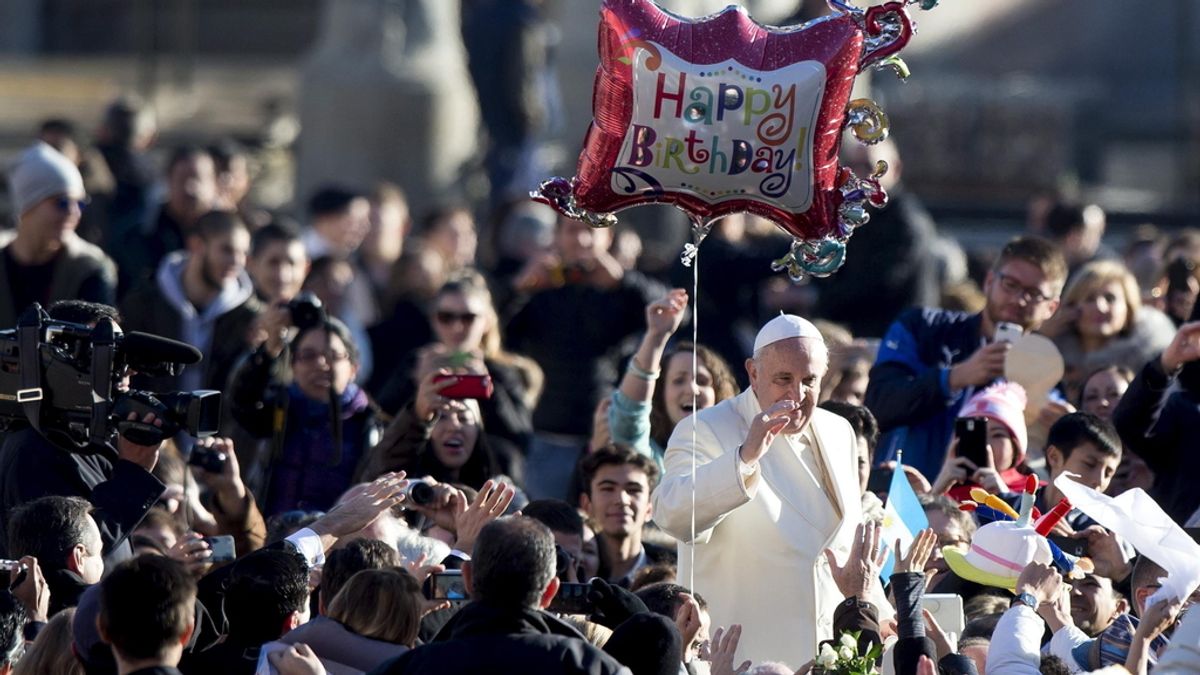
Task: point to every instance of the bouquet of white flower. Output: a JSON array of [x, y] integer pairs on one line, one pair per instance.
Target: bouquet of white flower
[[845, 659]]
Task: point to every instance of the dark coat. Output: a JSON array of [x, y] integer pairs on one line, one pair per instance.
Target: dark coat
[[655, 555], [148, 310], [259, 403], [908, 389], [1158, 423], [121, 491], [890, 266], [575, 333], [485, 639], [81, 272]]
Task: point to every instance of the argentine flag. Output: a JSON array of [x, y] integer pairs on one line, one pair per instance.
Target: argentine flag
[[903, 518]]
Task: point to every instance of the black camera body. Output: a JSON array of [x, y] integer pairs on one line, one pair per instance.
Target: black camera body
[[66, 381], [212, 461], [306, 310]]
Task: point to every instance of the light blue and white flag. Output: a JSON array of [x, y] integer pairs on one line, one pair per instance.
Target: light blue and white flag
[[903, 518]]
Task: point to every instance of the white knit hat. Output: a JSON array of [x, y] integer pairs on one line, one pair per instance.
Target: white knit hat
[[42, 172], [783, 327]]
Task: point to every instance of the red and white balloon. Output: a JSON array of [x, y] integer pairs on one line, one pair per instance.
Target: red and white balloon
[[723, 115]]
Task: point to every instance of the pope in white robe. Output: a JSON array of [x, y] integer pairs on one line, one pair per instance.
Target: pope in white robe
[[776, 483]]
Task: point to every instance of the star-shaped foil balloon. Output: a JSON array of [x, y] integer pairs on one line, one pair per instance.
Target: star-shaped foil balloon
[[723, 115]]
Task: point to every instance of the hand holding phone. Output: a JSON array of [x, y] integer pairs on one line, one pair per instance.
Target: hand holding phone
[[223, 549], [1008, 332], [972, 439], [466, 386], [572, 598], [446, 585]]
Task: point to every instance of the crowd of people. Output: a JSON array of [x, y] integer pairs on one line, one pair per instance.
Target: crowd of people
[[463, 442]]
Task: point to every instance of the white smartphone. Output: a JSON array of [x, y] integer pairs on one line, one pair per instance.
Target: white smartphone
[[947, 610], [1008, 332], [222, 548]]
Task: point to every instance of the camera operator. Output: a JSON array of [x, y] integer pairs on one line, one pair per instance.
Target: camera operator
[[114, 477], [116, 480], [321, 423]]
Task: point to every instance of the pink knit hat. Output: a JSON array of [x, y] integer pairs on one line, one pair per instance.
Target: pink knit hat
[[1003, 402]]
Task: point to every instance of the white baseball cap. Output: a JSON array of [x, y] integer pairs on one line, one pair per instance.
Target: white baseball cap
[[783, 327]]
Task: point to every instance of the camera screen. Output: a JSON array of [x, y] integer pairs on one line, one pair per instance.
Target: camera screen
[[449, 587]]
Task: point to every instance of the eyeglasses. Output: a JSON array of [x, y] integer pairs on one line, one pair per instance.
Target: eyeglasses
[[311, 356], [1013, 287], [64, 203], [451, 317]]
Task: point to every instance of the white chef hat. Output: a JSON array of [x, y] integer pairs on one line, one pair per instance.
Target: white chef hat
[[783, 327]]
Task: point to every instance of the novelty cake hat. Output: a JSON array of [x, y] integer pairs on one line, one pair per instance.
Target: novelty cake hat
[[1001, 549]]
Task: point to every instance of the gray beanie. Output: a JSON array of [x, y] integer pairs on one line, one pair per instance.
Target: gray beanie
[[42, 172]]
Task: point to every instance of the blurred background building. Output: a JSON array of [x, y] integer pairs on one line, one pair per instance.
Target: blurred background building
[[1008, 98]]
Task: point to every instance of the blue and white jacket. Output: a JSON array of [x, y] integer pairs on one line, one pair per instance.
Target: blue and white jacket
[[909, 389]]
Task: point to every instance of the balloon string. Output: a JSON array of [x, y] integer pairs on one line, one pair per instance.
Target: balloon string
[[698, 235]]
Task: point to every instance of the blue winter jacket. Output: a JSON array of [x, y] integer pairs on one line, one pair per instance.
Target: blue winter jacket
[[909, 389]]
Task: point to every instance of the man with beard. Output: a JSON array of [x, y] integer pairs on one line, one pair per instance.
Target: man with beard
[[203, 296], [932, 360]]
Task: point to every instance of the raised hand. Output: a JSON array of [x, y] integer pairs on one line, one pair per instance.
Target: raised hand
[[918, 553], [765, 427], [1184, 348], [1041, 581], [664, 315], [429, 397], [491, 502], [722, 650], [988, 477], [362, 508], [955, 470], [860, 572]]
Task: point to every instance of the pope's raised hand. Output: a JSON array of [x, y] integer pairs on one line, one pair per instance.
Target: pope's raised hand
[[765, 427]]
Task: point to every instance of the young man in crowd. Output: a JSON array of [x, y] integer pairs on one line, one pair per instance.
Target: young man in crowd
[[266, 597], [618, 482], [147, 614], [1087, 448], [201, 296], [932, 360], [278, 263]]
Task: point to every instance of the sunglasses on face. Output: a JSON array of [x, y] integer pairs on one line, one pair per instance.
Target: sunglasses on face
[[451, 317], [64, 203]]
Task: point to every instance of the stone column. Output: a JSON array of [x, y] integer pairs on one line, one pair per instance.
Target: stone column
[[385, 95]]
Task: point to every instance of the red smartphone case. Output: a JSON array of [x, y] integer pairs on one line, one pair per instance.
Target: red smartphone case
[[467, 386]]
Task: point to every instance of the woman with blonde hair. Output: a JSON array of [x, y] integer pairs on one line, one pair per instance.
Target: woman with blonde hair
[[51, 653], [466, 332], [1102, 322], [381, 604], [374, 618]]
